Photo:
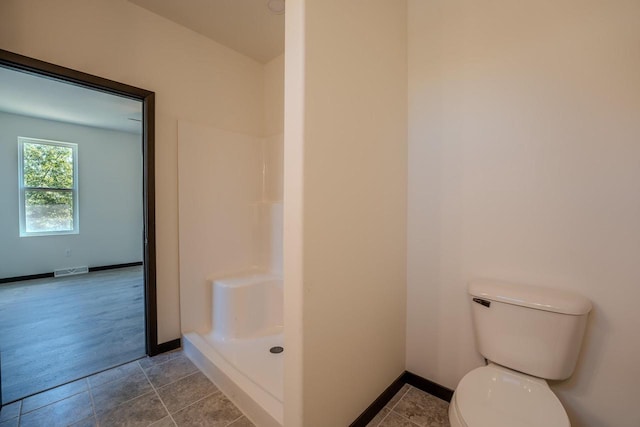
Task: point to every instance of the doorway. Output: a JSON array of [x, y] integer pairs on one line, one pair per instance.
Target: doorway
[[128, 280]]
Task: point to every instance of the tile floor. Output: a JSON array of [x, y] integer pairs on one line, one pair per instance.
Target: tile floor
[[411, 407], [164, 391], [168, 391]]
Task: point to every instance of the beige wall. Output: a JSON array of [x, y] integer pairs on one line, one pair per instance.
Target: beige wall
[[194, 79], [346, 73], [524, 130]]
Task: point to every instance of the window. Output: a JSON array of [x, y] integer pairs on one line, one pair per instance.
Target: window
[[48, 179]]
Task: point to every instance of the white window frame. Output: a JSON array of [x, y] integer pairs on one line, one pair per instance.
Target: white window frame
[[21, 187]]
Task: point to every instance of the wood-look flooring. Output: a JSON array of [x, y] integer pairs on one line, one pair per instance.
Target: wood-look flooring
[[57, 330]]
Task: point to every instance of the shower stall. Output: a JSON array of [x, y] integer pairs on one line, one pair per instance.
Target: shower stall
[[231, 289]]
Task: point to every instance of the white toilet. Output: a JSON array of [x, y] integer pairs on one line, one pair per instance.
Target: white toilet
[[527, 334]]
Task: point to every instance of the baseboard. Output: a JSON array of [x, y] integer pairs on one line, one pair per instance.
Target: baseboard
[[407, 377], [379, 403], [46, 275], [114, 266], [168, 346], [29, 277], [428, 386]]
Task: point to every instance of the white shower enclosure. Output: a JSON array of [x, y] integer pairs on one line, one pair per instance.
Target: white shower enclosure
[[230, 233]]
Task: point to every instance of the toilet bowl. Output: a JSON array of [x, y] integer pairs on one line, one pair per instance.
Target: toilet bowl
[[494, 396]]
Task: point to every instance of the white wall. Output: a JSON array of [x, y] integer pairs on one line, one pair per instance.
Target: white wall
[[524, 132], [345, 206], [194, 79], [109, 191]]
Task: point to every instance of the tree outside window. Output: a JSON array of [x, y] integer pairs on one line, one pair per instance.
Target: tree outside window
[[48, 187]]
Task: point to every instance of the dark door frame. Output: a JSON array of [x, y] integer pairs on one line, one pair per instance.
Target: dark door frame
[[56, 72]]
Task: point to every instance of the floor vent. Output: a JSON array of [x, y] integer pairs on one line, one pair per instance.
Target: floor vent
[[70, 271]]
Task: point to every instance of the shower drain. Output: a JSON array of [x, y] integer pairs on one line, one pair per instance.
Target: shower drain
[[277, 349]]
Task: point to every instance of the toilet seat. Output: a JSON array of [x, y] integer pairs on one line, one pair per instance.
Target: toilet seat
[[494, 396]]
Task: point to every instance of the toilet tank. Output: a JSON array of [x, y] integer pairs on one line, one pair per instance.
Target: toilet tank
[[534, 330]]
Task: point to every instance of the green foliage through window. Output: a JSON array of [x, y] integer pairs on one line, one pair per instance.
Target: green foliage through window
[[48, 185], [48, 166]]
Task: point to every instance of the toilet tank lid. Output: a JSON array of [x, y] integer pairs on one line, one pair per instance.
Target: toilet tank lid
[[535, 297]]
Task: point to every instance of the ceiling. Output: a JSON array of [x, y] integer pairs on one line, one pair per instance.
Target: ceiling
[[44, 98], [246, 26]]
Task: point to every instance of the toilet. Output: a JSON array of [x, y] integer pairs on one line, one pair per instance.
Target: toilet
[[528, 335]]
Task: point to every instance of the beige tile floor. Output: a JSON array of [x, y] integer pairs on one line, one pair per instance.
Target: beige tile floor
[[168, 391], [164, 391], [411, 407]]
